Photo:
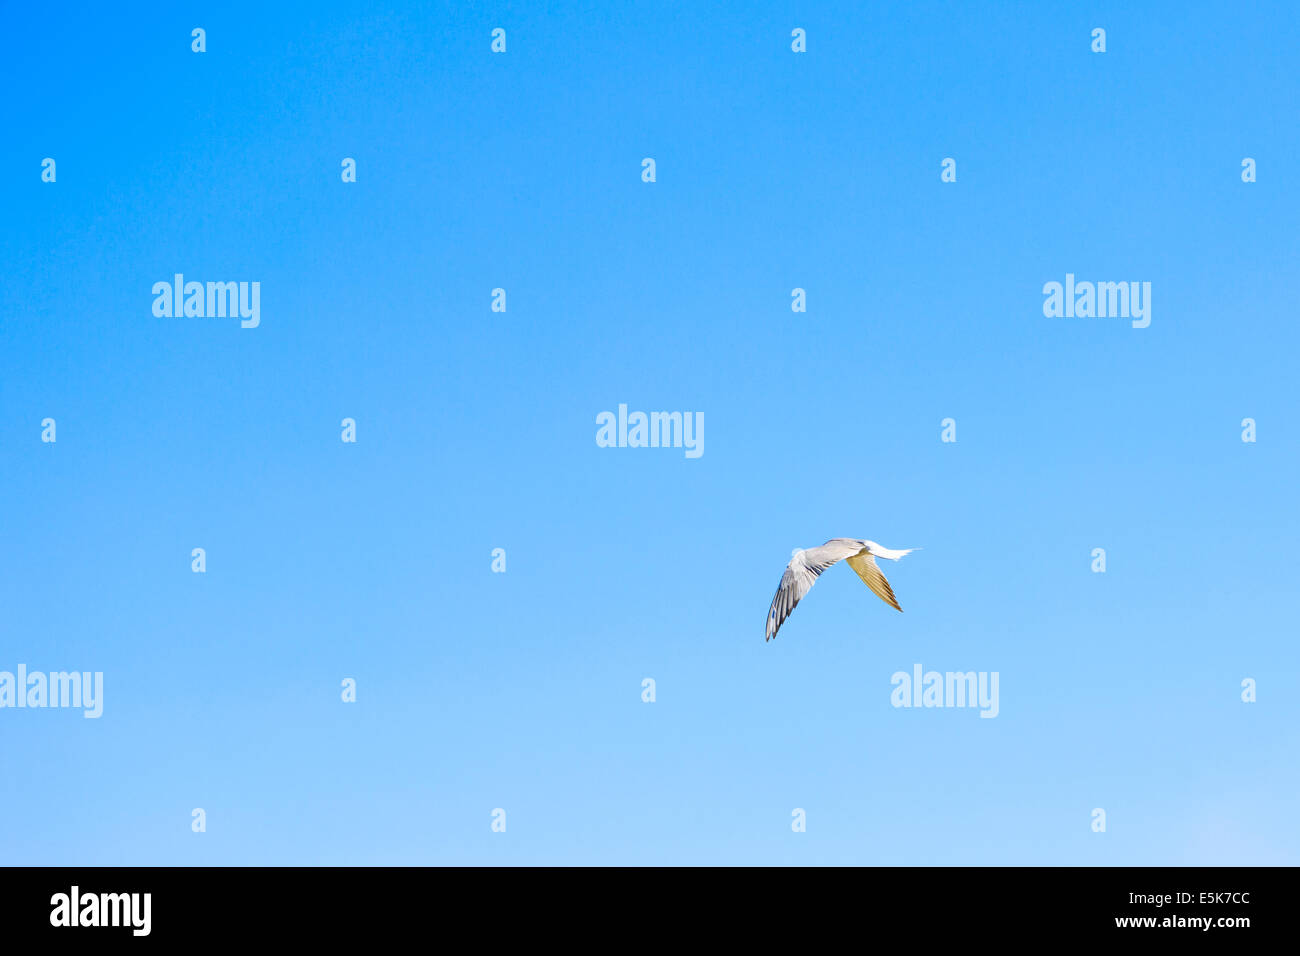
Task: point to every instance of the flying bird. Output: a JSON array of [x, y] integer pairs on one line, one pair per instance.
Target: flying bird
[[806, 566]]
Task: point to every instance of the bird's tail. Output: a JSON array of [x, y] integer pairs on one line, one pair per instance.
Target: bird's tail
[[882, 552]]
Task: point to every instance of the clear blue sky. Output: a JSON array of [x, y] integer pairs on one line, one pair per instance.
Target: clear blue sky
[[476, 430]]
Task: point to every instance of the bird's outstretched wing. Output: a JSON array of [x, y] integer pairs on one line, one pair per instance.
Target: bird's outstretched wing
[[800, 575], [865, 566]]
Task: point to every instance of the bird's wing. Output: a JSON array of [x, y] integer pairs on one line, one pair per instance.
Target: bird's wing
[[865, 566], [794, 585], [834, 550], [800, 575]]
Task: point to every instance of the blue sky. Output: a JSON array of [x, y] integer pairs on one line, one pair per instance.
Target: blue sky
[[476, 430]]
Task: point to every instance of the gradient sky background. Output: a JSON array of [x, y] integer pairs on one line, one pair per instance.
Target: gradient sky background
[[476, 430]]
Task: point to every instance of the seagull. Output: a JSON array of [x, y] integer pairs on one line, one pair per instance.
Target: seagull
[[806, 566]]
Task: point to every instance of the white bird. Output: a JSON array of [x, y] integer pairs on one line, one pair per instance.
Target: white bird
[[806, 566]]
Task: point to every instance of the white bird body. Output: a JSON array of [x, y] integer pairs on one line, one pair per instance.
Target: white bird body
[[806, 566]]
